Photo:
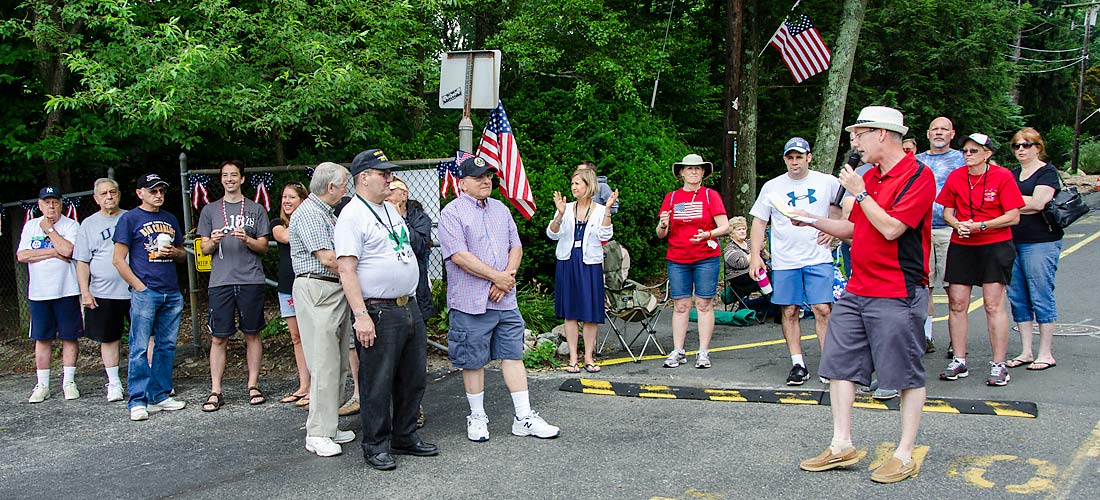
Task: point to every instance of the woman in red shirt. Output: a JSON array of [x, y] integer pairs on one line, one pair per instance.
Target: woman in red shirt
[[981, 201], [692, 218]]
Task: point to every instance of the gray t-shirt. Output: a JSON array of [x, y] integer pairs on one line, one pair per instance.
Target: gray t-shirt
[[95, 245], [232, 263]]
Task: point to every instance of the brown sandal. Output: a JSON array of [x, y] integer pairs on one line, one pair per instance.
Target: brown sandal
[[256, 396], [213, 402]]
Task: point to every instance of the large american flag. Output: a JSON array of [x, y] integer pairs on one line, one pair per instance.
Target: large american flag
[[803, 51], [498, 148]]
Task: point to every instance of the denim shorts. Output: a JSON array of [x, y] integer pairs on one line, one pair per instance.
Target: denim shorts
[[286, 305], [698, 278], [805, 285], [1031, 293], [475, 339]]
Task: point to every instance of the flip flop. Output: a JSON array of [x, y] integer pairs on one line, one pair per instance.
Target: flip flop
[[592, 368], [1037, 366], [573, 368], [1017, 362], [291, 398]]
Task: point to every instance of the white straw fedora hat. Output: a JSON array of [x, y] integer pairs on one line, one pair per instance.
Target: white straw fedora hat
[[880, 117], [692, 160]]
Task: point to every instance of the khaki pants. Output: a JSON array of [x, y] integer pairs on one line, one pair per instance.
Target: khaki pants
[[937, 258], [324, 320]]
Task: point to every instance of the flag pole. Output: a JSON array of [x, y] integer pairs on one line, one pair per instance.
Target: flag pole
[[795, 6]]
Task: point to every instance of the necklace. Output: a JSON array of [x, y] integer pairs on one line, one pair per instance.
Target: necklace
[[587, 211], [980, 178], [970, 193], [225, 217]]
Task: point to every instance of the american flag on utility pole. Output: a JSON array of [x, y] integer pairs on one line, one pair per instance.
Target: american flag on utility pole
[[800, 44], [498, 148]]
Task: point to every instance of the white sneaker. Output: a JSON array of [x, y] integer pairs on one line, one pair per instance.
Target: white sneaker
[[534, 425], [139, 413], [322, 446], [343, 437], [70, 390], [168, 404], [39, 394], [114, 392], [675, 358], [477, 427], [702, 360]]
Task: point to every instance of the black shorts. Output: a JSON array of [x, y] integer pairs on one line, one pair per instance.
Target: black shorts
[[242, 302], [105, 322], [976, 265]]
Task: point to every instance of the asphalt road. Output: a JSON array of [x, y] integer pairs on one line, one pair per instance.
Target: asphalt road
[[611, 446]]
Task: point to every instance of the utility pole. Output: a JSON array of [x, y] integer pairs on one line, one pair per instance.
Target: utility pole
[[732, 115], [1090, 20]]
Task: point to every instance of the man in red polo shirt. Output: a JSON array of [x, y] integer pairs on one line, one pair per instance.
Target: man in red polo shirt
[[878, 324]]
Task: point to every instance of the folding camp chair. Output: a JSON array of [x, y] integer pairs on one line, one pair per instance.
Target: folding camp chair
[[630, 302], [735, 295]]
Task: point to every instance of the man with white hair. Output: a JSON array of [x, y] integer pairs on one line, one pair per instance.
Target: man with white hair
[[324, 318], [877, 325], [103, 293]]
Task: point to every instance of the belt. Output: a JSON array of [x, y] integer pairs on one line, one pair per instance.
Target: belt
[[400, 301], [321, 277]]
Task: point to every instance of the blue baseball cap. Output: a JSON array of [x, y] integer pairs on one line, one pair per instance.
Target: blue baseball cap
[[49, 192], [797, 144]]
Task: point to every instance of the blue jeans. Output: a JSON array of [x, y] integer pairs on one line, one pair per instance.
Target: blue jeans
[[698, 278], [157, 315], [1031, 293]]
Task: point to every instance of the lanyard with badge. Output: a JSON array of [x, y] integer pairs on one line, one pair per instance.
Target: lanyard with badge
[[401, 246]]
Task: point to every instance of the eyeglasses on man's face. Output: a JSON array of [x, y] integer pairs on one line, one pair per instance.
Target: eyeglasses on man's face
[[856, 137]]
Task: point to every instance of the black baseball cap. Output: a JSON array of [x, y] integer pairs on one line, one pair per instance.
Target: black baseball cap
[[474, 167], [150, 181]]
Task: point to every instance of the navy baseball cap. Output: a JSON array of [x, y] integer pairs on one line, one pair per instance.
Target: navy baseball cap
[[797, 144], [474, 167], [371, 158], [150, 181], [49, 192]]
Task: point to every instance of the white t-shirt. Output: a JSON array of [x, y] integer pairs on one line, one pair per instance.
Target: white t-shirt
[[387, 267], [51, 278], [95, 245], [794, 247]]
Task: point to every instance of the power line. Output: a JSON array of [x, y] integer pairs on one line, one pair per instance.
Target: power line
[[1054, 69], [1078, 49], [1014, 58]]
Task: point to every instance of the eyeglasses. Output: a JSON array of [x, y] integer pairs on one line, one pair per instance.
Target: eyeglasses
[[1022, 145], [855, 137], [972, 151], [158, 190], [385, 174]]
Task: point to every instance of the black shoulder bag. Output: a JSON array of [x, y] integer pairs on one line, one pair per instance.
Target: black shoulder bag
[[1065, 208]]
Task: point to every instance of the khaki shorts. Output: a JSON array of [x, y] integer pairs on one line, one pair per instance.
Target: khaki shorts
[[937, 259]]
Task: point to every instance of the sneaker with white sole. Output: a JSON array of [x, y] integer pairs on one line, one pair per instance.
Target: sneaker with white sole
[[139, 413], [955, 370], [114, 392], [702, 360], [169, 404], [885, 394], [675, 358], [798, 375], [534, 425], [70, 390], [998, 375], [322, 446], [823, 380], [477, 427], [343, 437], [39, 394]]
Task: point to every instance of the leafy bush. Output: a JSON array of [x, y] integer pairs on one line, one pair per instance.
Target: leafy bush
[[542, 356], [1059, 145], [536, 305], [1089, 159], [275, 328]]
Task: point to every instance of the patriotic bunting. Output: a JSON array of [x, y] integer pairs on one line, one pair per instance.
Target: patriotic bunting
[[198, 189], [262, 183]]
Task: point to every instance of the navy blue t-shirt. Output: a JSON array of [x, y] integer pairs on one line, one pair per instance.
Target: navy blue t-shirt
[[139, 230]]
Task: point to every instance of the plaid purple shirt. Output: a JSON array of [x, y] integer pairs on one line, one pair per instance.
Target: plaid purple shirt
[[486, 231]]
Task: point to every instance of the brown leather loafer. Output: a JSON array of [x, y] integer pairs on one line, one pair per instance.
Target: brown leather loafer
[[829, 460], [894, 470]]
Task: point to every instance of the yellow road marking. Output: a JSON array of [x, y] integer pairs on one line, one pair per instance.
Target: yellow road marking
[[886, 450], [972, 469], [617, 361], [1089, 449]]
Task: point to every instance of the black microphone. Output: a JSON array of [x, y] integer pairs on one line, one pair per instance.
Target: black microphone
[[855, 159]]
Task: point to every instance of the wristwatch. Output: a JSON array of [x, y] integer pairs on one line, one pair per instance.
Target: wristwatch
[[982, 226], [861, 196], [358, 313], [50, 230]]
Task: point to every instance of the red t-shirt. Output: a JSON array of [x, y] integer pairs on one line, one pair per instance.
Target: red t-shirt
[[692, 211], [898, 268], [982, 197]]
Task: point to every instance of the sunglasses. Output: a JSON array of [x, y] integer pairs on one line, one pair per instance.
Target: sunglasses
[[1022, 145], [157, 190], [972, 151]]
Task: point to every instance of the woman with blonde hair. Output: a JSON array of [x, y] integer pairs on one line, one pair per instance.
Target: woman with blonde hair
[[580, 227]]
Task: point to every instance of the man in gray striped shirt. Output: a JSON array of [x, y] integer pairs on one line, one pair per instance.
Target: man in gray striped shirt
[[323, 314]]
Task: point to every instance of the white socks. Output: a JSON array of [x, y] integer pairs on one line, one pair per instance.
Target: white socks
[[43, 377], [904, 459], [838, 446], [68, 374], [928, 327], [522, 403], [477, 403], [796, 359], [112, 375]]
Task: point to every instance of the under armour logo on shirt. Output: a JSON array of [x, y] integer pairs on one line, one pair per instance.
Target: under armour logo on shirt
[[808, 196]]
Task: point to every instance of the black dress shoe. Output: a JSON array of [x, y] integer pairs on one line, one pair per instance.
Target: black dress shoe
[[418, 449], [381, 461]]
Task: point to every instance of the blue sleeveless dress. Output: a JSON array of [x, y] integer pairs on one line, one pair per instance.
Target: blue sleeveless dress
[[578, 287]]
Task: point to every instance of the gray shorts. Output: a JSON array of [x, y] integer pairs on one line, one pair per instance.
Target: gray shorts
[[475, 339], [876, 335]]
